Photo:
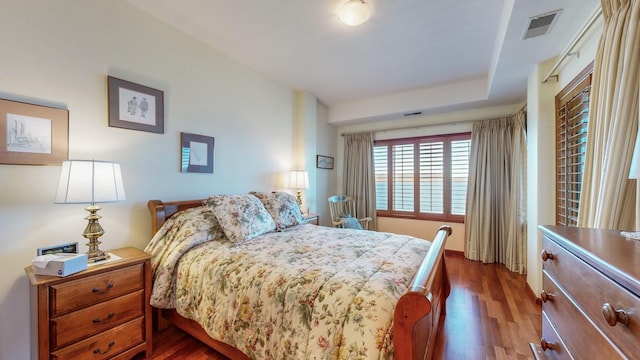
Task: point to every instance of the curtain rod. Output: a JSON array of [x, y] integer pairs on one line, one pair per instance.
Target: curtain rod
[[410, 127], [573, 43]]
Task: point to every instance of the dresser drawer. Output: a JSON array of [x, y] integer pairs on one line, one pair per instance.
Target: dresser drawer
[[556, 348], [579, 335], [106, 344], [94, 319], [79, 293], [591, 290]]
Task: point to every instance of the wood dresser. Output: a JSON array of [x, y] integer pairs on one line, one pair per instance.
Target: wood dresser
[[99, 313], [591, 295]]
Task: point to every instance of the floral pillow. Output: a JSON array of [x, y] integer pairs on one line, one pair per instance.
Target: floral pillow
[[282, 207], [242, 217]]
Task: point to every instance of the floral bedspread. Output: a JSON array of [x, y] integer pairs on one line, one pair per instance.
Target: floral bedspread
[[309, 292]]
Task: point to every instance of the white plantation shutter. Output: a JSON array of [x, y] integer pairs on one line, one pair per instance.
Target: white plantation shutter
[[381, 169], [460, 152], [432, 177], [402, 177], [424, 178]]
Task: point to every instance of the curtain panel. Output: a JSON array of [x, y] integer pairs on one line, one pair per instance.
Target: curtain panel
[[495, 224], [608, 197], [359, 175]]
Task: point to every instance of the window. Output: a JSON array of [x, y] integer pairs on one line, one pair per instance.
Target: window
[[572, 117], [422, 178]]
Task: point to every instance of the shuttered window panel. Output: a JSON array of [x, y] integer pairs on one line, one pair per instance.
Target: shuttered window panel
[[381, 170], [403, 177], [572, 118], [423, 178], [460, 153], [432, 177]]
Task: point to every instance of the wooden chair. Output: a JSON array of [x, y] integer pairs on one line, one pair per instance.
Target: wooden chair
[[343, 207]]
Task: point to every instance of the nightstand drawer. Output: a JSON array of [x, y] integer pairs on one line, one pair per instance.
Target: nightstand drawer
[[79, 293], [97, 318], [106, 344]]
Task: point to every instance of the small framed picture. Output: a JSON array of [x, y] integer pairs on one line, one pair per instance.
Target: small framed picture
[[196, 153], [33, 134], [324, 162], [69, 248], [136, 107]]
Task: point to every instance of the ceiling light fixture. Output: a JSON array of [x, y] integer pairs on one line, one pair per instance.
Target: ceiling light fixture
[[355, 12]]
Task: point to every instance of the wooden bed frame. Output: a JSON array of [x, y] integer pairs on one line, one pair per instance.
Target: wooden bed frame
[[417, 315]]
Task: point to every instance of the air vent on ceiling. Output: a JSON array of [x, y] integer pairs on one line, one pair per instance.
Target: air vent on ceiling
[[413, 113], [540, 24]]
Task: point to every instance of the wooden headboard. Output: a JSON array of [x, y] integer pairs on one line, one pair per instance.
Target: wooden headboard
[[160, 211]]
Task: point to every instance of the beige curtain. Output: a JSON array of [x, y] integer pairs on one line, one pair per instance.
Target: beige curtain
[[607, 197], [359, 176], [495, 225]]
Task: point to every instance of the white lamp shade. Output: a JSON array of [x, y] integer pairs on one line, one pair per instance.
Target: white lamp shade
[[299, 180], [355, 12], [89, 181]]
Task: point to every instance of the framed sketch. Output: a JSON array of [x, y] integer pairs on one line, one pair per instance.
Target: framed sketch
[[33, 134], [196, 153], [324, 162], [136, 107]]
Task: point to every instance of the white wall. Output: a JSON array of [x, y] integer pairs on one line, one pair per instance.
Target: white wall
[[325, 178], [540, 166], [60, 53], [541, 145]]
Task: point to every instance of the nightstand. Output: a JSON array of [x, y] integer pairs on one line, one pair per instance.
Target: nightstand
[[102, 312], [312, 218]]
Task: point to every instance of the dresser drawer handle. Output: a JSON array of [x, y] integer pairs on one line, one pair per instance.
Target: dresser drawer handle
[[96, 290], [547, 345], [545, 296], [613, 316], [102, 322], [547, 255], [98, 351]]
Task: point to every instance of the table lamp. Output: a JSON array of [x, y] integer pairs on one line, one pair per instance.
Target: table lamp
[[298, 180], [90, 182]]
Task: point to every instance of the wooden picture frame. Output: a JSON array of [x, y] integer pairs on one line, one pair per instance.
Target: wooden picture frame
[[134, 106], [324, 162], [196, 153], [33, 134]]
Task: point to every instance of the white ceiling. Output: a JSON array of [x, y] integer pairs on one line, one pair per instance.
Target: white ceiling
[[412, 55]]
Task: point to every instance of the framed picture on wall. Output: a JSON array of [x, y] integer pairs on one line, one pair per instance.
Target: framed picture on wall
[[324, 162], [33, 134], [136, 107], [196, 153]]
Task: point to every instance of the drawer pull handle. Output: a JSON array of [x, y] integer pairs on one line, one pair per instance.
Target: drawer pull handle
[[98, 351], [545, 296], [96, 290], [613, 316], [102, 322], [547, 255], [547, 345]]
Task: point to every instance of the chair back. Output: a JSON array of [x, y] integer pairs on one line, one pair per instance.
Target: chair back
[[341, 206]]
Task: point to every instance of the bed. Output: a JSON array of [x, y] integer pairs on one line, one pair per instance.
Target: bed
[[393, 318]]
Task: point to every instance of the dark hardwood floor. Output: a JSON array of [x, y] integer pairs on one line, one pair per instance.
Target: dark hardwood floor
[[490, 315]]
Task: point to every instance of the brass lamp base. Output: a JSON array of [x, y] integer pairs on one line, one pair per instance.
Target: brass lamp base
[[299, 199], [92, 232]]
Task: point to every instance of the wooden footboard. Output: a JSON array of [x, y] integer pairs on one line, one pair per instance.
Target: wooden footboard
[[419, 311], [417, 314]]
